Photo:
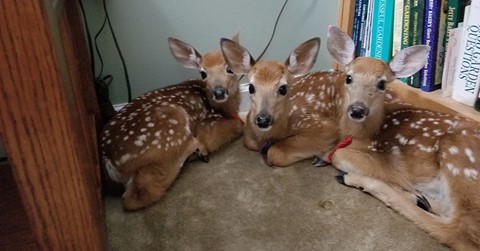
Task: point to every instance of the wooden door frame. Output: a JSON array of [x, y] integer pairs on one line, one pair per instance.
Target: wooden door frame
[[47, 122]]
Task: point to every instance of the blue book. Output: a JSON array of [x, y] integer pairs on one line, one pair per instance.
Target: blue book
[[363, 21], [430, 38], [382, 29]]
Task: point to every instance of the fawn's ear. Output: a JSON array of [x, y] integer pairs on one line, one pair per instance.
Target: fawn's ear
[[236, 38], [409, 60], [184, 53], [301, 59], [340, 46], [237, 57]]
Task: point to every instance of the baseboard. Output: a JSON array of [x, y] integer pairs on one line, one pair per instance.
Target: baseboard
[[119, 106]]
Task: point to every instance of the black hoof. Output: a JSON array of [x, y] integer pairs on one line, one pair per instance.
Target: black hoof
[[204, 158], [423, 203], [319, 162], [341, 179]]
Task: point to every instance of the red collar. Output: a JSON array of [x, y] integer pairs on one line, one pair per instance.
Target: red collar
[[235, 115], [344, 143]]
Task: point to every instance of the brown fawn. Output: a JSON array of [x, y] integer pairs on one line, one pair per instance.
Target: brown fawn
[[409, 158], [291, 116], [145, 145]]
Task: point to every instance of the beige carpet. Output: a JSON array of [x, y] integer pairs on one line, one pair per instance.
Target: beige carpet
[[235, 202]]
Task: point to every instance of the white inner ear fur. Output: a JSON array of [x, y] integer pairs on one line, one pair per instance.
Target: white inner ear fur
[[246, 60], [293, 59]]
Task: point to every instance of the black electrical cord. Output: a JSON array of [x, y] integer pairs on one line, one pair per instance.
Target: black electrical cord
[[273, 32], [127, 79], [89, 38], [100, 58]]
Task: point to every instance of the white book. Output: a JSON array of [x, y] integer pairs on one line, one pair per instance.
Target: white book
[[368, 34], [397, 27], [455, 35], [467, 73]]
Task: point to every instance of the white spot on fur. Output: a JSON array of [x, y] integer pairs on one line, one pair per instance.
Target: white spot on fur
[[171, 131], [138, 143], [469, 153], [150, 124], [470, 173], [453, 150], [148, 119]]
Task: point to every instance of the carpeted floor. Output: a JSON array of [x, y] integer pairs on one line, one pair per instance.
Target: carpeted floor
[[235, 202]]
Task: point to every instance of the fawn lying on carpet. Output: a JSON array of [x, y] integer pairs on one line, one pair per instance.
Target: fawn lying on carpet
[[145, 145], [407, 156]]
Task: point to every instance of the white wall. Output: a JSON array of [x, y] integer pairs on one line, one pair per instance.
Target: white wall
[[142, 28]]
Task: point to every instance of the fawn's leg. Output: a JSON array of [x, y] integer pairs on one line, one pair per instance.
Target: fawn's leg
[[298, 147], [148, 185], [216, 132]]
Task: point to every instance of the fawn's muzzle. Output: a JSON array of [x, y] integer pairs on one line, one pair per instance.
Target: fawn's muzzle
[[263, 120], [220, 93], [357, 111]]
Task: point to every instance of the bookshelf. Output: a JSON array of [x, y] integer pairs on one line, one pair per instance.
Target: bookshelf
[[431, 100]]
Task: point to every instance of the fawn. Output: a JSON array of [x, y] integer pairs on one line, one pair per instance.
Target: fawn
[[423, 164], [291, 116], [145, 145]]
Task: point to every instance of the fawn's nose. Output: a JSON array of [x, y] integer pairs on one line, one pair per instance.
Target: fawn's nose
[[357, 111], [263, 120], [219, 93]]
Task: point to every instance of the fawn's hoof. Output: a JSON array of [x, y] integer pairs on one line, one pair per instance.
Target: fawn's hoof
[[319, 162], [423, 203]]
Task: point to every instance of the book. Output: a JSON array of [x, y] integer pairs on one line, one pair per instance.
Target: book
[[397, 27], [430, 38], [451, 60], [368, 31], [356, 23], [406, 40], [440, 57], [417, 13], [455, 14], [466, 77], [363, 19], [382, 29]]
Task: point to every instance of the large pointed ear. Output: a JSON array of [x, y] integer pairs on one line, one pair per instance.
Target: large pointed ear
[[302, 59], [409, 60], [184, 53], [236, 38], [238, 58], [340, 46]]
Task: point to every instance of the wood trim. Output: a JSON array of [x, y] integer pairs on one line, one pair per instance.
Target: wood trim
[[346, 10], [44, 133]]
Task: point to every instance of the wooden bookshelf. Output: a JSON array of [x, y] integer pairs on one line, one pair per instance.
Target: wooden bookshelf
[[431, 100]]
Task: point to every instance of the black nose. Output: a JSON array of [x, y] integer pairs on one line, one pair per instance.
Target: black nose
[[357, 111], [219, 93], [263, 121]]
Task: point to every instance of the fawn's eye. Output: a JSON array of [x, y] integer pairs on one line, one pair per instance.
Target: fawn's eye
[[229, 71], [349, 80], [203, 74], [251, 89], [381, 85], [282, 90]]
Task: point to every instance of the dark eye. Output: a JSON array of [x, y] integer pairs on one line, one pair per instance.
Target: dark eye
[[251, 89], [381, 85], [203, 74], [349, 80], [282, 90], [229, 71]]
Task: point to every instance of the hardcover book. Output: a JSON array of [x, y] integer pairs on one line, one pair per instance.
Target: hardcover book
[[397, 27], [466, 78], [417, 14], [382, 29], [430, 38]]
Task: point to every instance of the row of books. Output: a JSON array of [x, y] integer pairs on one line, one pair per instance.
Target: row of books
[[450, 27]]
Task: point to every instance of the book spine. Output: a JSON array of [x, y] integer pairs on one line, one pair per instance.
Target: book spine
[[406, 35], [440, 57], [356, 23], [368, 30], [467, 79], [417, 13], [450, 61], [453, 11], [363, 27], [382, 29], [430, 38], [397, 27]]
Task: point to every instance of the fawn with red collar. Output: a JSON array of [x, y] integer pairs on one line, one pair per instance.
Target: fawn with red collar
[[423, 164], [145, 145], [292, 115]]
